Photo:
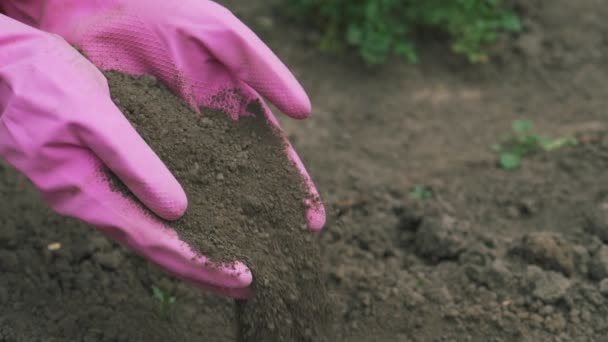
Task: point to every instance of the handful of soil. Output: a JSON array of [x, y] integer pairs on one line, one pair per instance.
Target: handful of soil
[[245, 203]]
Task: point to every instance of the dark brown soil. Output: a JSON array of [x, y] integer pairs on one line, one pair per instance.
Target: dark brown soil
[[246, 202], [492, 256]]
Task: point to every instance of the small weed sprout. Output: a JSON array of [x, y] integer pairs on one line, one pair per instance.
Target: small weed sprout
[[164, 299], [421, 192], [523, 143]]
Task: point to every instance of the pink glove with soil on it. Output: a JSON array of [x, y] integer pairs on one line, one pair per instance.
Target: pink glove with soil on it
[[59, 126]]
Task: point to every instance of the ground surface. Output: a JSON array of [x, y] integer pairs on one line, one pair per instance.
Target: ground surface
[[493, 256]]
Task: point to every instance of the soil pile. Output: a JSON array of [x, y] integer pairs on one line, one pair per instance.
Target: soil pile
[[245, 203]]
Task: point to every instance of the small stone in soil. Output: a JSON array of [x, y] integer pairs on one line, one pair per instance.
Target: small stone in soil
[[598, 264], [547, 250], [596, 221], [548, 286], [440, 239], [604, 287]]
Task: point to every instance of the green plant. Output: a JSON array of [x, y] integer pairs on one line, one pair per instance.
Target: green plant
[[165, 300], [523, 142], [377, 28], [421, 192]]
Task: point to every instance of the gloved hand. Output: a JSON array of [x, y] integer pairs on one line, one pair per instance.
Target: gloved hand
[[59, 127]]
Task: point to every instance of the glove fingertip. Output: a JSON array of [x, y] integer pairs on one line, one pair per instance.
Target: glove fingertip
[[240, 275], [316, 217], [245, 277], [297, 105], [176, 208]]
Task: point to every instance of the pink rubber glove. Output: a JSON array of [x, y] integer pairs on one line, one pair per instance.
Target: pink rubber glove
[[59, 126]]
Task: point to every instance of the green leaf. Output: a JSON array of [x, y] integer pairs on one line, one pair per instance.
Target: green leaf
[[522, 126], [158, 293], [529, 144], [354, 35], [510, 161], [554, 144], [421, 192], [407, 49], [510, 22]]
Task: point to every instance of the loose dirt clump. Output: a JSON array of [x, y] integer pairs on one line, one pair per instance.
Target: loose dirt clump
[[547, 250], [245, 203]]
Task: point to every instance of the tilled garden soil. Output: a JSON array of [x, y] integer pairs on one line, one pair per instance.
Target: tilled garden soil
[[491, 256]]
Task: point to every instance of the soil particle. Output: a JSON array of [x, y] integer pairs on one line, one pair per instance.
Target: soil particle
[[604, 286], [4, 293], [547, 250], [7, 235], [246, 203], [598, 265], [548, 286], [441, 239], [530, 44], [596, 221], [493, 276], [111, 259], [582, 257]]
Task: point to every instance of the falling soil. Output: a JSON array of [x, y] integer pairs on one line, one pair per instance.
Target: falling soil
[[246, 202]]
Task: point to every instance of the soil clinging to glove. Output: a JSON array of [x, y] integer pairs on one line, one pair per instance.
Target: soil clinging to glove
[[245, 203]]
